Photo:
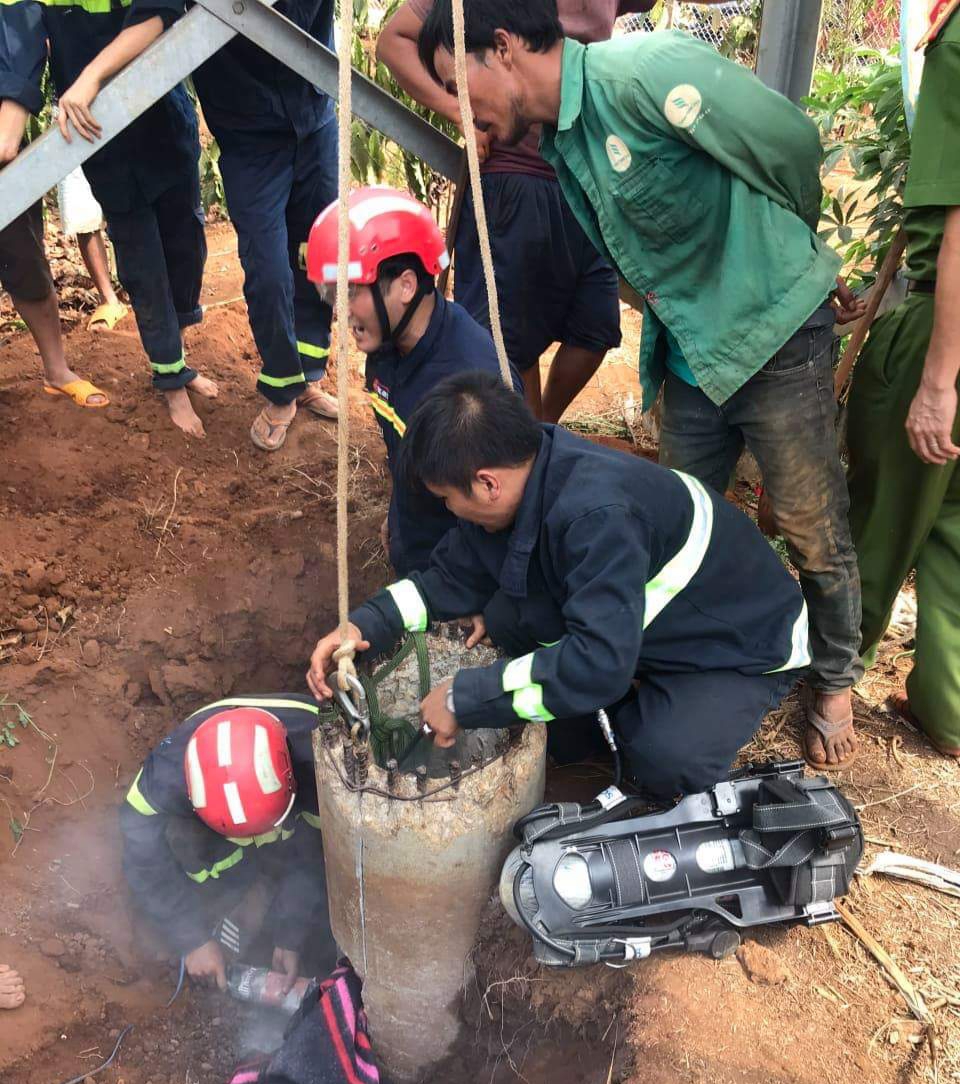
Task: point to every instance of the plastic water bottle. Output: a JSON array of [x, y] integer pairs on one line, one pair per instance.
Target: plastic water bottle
[[264, 986]]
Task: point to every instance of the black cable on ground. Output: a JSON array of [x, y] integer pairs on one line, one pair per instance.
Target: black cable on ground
[[92, 1072]]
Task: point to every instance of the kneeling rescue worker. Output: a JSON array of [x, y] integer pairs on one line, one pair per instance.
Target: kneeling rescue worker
[[227, 802], [612, 582]]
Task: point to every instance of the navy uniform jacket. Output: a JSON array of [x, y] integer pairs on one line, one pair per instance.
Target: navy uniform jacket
[[453, 343], [157, 151], [242, 88], [621, 567], [168, 851]]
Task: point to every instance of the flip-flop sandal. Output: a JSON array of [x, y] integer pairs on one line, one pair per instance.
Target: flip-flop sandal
[[318, 402], [899, 705], [106, 316], [268, 436], [81, 392], [826, 729]]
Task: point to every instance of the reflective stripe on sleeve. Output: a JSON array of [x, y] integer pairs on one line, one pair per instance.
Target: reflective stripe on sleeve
[[413, 612], [527, 694], [686, 562], [217, 868], [799, 643], [259, 702], [136, 799]]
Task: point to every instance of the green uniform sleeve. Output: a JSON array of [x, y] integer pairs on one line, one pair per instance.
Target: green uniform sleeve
[[934, 176], [689, 93]]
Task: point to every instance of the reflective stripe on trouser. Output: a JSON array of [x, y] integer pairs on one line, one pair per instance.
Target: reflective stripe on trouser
[[274, 185], [527, 693], [674, 576], [413, 611], [161, 250]]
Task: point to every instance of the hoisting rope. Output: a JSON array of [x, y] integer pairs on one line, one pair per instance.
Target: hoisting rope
[[345, 652], [479, 210]]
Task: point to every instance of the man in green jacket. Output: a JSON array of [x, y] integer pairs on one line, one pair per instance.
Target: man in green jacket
[[904, 428], [702, 187]]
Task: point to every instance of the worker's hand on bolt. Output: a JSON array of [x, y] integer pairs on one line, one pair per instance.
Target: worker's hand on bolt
[[478, 631], [321, 661], [847, 307], [442, 721], [287, 962], [206, 965], [74, 107]]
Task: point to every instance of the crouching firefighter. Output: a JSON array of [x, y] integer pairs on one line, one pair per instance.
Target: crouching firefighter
[[612, 582], [221, 827]]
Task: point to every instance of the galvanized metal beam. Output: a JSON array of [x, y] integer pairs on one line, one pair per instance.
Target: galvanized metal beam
[[787, 47], [179, 51], [282, 39]]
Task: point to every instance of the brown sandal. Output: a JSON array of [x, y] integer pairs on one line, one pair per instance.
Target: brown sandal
[[318, 402], [826, 729], [268, 436]]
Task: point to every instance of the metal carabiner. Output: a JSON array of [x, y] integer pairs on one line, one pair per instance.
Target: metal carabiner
[[355, 708]]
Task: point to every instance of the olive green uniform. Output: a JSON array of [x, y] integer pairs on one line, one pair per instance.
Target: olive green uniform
[[904, 513]]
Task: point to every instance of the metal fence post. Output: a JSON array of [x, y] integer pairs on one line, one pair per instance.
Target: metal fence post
[[787, 48]]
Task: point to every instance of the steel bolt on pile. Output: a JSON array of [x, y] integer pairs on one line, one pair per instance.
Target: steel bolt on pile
[[393, 775], [422, 779], [350, 763]]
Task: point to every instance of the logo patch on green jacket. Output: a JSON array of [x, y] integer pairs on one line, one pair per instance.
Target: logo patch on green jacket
[[682, 106], [618, 153]]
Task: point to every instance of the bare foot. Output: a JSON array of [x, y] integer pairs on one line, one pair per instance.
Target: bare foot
[[182, 413], [830, 741], [12, 991], [64, 375], [204, 386], [898, 703]]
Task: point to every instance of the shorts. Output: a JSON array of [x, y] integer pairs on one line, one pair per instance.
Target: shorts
[[79, 210], [24, 271], [553, 285]]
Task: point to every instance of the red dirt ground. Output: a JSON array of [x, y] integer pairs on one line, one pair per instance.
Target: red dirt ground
[[143, 574]]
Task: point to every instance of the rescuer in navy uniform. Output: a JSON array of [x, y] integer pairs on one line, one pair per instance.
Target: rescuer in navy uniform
[[618, 583], [412, 336], [227, 801]]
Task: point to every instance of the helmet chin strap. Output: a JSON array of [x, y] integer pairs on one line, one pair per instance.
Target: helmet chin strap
[[388, 334]]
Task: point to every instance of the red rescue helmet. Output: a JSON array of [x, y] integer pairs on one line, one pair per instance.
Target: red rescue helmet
[[384, 222], [239, 776]]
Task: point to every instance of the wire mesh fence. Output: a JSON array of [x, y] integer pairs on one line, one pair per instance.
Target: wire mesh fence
[[849, 29]]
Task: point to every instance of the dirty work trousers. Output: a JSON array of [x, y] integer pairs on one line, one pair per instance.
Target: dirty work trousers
[[276, 183], [786, 415], [161, 249], [678, 733], [905, 515]]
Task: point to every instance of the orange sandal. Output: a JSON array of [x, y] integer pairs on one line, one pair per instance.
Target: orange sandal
[[81, 392], [106, 316]]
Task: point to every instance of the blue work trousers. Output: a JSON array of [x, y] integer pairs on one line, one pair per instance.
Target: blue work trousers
[[161, 249], [276, 184]]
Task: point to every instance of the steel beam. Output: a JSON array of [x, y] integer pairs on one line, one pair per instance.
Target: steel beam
[[787, 47], [179, 51], [282, 39]]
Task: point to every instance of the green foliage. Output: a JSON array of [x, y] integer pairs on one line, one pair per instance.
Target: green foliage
[[8, 726], [860, 115], [374, 158], [740, 36], [211, 182]]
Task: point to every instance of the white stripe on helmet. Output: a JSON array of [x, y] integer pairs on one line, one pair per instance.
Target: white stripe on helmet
[[224, 754], [198, 790], [262, 764], [237, 813]]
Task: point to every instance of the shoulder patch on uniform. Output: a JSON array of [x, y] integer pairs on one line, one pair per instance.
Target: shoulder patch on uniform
[[682, 106], [618, 153]]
